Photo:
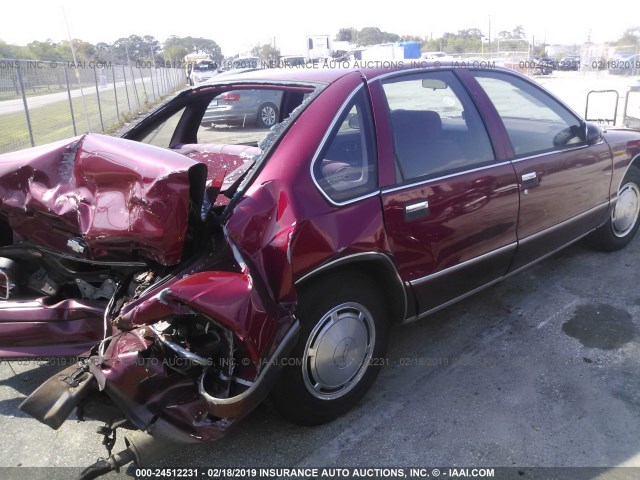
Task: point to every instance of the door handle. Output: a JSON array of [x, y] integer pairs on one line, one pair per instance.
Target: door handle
[[416, 210], [530, 180], [414, 207]]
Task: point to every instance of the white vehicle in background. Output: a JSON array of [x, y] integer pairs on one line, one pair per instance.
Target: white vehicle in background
[[247, 62], [288, 61], [190, 61], [383, 52], [440, 56], [319, 47], [203, 71]]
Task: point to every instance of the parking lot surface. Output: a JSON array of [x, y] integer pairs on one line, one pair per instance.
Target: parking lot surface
[[540, 370]]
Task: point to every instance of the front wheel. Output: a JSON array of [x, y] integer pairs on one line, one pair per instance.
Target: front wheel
[[343, 339], [267, 115], [623, 223]]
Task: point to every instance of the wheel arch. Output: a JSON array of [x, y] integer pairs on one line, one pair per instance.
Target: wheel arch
[[605, 237], [635, 162], [378, 267]]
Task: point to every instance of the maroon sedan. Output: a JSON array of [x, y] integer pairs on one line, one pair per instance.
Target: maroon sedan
[[204, 267]]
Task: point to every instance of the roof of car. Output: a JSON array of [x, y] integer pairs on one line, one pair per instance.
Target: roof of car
[[328, 75], [329, 72]]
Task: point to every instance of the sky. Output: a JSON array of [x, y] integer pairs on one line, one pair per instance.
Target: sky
[[238, 26]]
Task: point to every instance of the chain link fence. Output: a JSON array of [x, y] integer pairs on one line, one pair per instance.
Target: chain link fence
[[42, 101]]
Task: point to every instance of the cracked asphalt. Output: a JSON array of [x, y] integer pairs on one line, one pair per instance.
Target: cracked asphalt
[[540, 370]]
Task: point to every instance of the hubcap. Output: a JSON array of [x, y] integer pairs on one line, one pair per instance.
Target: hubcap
[[338, 351], [268, 116], [625, 213]]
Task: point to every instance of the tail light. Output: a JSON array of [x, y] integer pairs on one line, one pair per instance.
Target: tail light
[[230, 97]]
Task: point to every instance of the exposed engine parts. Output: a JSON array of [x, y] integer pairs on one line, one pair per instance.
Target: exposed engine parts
[[8, 274], [26, 271]]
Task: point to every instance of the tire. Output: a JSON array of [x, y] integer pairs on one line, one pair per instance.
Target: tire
[[267, 115], [343, 322], [622, 224]]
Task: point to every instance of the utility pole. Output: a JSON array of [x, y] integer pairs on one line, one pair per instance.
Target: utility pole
[[75, 62], [533, 45], [489, 42]]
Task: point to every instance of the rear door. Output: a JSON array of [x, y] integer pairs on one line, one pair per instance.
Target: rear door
[[452, 204]]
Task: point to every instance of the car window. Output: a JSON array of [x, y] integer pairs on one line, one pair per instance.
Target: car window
[[535, 122], [161, 135], [436, 128], [346, 166], [240, 116]]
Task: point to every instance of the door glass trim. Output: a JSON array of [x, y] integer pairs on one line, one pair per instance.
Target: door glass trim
[[427, 181], [551, 152]]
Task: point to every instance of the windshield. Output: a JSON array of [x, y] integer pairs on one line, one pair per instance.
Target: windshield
[[204, 66]]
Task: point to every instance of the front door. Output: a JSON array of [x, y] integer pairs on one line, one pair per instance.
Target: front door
[[564, 183]]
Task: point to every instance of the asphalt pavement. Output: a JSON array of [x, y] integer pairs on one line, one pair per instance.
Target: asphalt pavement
[[540, 370]]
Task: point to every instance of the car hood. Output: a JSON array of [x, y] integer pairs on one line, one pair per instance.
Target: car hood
[[102, 198]]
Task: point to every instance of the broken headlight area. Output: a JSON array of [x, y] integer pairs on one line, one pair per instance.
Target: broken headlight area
[[193, 343], [150, 379], [152, 371]]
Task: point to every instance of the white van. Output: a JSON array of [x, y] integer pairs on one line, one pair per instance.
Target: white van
[[440, 56]]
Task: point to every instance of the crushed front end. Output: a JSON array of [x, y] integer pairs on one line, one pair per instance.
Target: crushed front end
[[190, 338]]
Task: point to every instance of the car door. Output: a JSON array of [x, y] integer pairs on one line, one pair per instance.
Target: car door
[[564, 182], [451, 209]]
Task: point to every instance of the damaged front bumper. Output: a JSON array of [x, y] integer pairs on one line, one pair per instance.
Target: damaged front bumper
[[170, 412], [55, 399]]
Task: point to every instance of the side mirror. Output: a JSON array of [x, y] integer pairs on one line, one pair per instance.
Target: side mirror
[[354, 122], [593, 133]]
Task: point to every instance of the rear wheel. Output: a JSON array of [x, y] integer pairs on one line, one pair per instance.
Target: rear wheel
[[623, 223], [267, 115], [343, 339]]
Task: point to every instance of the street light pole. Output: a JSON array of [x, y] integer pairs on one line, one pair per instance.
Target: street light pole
[[489, 42]]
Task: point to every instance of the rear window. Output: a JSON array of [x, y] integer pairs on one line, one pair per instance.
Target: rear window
[[228, 127], [243, 116]]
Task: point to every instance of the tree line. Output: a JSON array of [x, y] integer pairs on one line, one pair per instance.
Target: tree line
[[470, 40], [145, 48], [132, 48], [466, 40]]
